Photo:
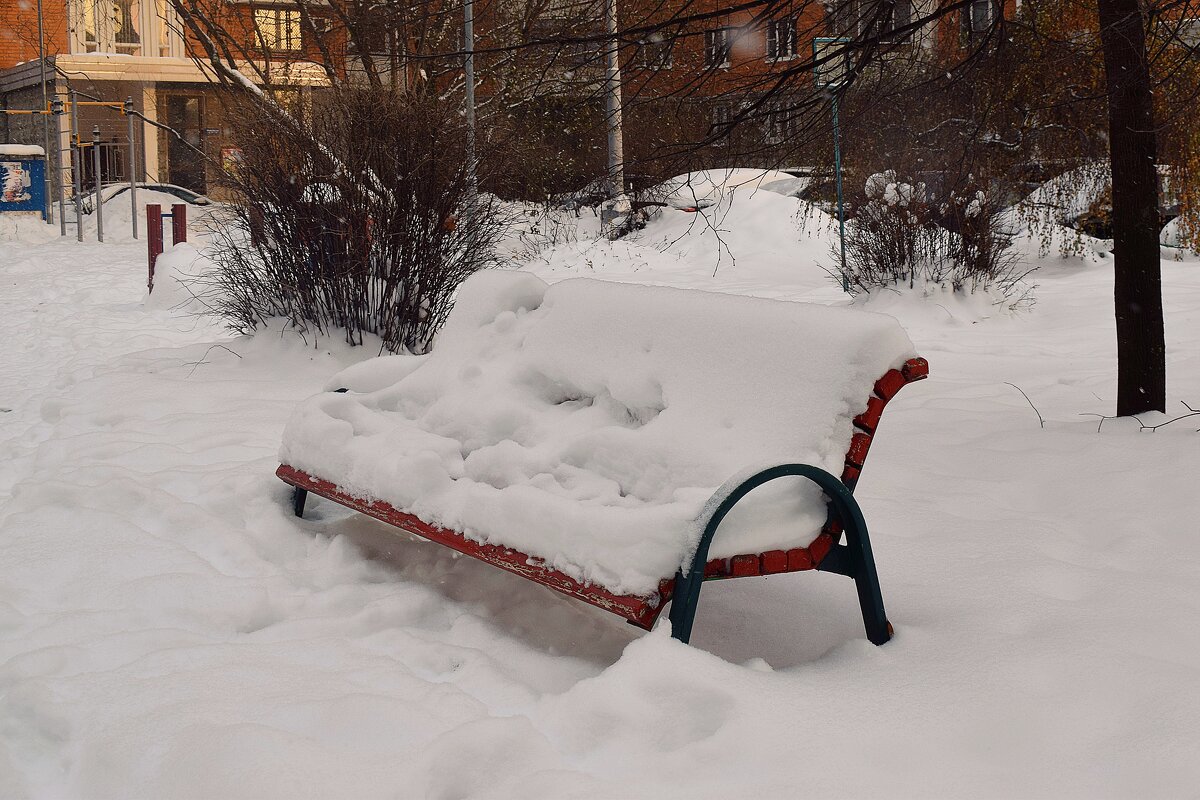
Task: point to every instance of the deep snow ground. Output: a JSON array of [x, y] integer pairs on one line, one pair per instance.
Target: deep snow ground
[[167, 629]]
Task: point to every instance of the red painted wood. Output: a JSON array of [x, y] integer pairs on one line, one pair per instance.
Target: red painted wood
[[820, 547], [850, 476], [887, 386], [640, 611], [799, 559], [774, 561], [860, 443], [717, 568], [154, 240], [915, 369], [178, 223], [743, 566], [869, 419]]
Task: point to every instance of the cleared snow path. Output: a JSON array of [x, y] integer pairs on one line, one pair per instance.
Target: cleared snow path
[[168, 630]]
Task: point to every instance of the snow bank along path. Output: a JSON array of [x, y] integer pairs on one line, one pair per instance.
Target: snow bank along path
[[588, 423]]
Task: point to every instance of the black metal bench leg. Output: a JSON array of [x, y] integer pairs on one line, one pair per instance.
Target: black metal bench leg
[[866, 580], [298, 497], [683, 607]]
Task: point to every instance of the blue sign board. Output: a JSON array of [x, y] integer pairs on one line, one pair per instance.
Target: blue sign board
[[22, 184]]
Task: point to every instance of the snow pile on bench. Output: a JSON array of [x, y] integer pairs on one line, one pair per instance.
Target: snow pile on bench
[[587, 423]]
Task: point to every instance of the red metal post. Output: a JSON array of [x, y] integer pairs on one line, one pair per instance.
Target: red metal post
[[178, 223], [154, 238]]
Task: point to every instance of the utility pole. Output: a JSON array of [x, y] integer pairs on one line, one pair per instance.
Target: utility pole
[[99, 201], [841, 207], [617, 208], [469, 77], [56, 109], [831, 71], [48, 214], [77, 166], [133, 163]]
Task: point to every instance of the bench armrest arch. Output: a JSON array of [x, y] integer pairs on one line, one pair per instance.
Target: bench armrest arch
[[687, 582]]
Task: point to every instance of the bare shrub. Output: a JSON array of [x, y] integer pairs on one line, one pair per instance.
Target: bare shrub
[[898, 239], [363, 220]]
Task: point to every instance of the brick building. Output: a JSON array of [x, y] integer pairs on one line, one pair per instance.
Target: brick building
[[680, 82], [111, 50]]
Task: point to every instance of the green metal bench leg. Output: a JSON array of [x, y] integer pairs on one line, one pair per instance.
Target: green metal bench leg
[[866, 579], [854, 559], [298, 497]]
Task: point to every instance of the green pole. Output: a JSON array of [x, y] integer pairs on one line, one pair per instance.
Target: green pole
[[837, 168]]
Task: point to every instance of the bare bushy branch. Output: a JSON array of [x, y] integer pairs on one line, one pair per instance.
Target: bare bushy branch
[[369, 232]]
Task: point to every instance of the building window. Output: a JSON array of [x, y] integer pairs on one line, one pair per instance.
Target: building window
[[1189, 32], [718, 127], [883, 19], [560, 40], [373, 39], [655, 53], [873, 19], [578, 55], [783, 122], [278, 28], [125, 24], [90, 38], [977, 17], [167, 24], [781, 38], [716, 47]]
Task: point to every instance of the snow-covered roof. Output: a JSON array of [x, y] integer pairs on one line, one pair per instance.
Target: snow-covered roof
[[21, 150]]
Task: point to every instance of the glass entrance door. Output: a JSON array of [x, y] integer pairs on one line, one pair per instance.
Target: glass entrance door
[[185, 166]]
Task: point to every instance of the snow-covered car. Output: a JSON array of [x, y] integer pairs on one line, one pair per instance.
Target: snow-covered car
[[111, 191], [695, 190], [1082, 199], [1172, 234]]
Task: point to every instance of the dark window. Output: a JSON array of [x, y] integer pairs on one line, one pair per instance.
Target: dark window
[[560, 38], [364, 37], [716, 47], [977, 18], [781, 38], [783, 122], [655, 53], [719, 123], [882, 19], [185, 150]]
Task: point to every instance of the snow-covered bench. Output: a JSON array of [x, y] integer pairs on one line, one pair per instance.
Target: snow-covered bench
[[604, 439]]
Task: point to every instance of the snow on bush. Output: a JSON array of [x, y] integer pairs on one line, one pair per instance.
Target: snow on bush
[[898, 238], [588, 423]]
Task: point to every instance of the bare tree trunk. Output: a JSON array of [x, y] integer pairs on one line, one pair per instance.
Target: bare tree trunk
[[1141, 345]]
